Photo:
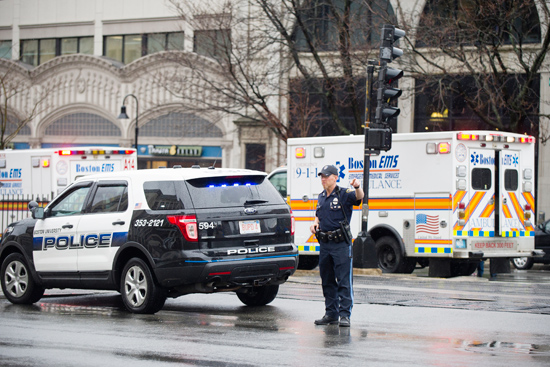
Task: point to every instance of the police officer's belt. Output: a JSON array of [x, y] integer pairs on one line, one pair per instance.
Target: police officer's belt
[[336, 236]]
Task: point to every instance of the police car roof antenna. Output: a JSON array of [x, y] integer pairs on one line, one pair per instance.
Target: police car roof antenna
[[213, 166]]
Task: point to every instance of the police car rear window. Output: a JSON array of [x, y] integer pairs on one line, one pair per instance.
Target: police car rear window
[[215, 192], [163, 195]]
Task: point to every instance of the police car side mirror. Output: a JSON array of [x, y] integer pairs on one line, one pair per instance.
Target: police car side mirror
[[37, 212]]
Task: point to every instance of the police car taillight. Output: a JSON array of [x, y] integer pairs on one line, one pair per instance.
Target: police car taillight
[[187, 225]]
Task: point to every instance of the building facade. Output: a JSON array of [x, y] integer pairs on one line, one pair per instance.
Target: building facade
[[82, 58]]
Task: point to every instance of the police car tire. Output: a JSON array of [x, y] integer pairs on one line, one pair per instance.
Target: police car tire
[[18, 284], [523, 263], [259, 296], [139, 290]]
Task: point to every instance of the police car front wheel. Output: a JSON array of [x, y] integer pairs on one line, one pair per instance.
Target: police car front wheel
[[18, 284], [139, 290]]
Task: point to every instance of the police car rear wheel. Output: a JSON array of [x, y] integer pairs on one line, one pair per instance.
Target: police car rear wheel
[[258, 296], [18, 284], [140, 293]]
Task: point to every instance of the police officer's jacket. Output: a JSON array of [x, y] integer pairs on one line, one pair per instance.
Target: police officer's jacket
[[329, 209]]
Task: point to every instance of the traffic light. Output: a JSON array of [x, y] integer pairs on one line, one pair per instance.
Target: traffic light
[[380, 135], [387, 75], [386, 94], [390, 34]]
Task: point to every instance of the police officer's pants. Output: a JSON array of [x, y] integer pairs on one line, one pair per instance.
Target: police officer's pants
[[335, 268]]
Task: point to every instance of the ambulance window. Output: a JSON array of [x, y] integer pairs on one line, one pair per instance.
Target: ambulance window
[[71, 204], [109, 199], [511, 180], [481, 179], [162, 195]]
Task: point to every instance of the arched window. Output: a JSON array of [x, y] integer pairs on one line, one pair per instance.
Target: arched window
[[324, 19], [83, 124], [448, 23], [176, 124], [12, 125]]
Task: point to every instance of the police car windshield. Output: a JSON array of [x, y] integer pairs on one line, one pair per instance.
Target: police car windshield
[[213, 192]]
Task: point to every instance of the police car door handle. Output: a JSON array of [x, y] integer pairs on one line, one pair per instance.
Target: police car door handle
[[120, 222], [67, 226]]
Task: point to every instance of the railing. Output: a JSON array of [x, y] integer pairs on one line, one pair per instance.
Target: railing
[[16, 207]]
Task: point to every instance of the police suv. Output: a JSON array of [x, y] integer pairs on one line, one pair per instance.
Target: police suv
[[153, 234]]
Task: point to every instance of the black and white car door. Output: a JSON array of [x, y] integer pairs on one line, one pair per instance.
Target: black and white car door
[[55, 242], [104, 228]]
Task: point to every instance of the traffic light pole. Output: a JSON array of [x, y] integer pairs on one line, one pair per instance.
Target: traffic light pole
[[364, 251], [378, 134]]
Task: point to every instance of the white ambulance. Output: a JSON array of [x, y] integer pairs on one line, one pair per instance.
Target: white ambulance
[[452, 196], [40, 174]]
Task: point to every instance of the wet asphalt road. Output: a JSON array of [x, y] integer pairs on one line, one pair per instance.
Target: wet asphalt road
[[397, 321]]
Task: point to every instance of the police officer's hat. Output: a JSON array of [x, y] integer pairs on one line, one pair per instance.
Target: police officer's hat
[[328, 170]]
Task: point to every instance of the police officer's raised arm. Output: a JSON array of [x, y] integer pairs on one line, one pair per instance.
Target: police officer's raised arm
[[359, 194]]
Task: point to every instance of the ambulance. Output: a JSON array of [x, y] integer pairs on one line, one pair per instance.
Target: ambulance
[[40, 174], [435, 198]]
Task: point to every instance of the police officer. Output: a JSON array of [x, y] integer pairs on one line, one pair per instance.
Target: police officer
[[335, 258]]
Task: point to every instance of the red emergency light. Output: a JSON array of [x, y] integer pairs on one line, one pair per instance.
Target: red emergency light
[[463, 136], [444, 148]]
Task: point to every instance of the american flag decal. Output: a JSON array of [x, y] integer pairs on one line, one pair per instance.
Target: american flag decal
[[427, 224]]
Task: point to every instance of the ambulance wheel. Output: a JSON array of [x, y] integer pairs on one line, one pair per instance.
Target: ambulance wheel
[[139, 290], [18, 284], [308, 262], [523, 263], [258, 296], [390, 257]]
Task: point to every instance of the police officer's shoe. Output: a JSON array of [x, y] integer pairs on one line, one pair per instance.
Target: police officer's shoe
[[344, 322], [326, 320]]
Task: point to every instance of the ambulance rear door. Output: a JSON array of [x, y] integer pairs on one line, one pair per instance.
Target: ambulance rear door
[[480, 209], [511, 215]]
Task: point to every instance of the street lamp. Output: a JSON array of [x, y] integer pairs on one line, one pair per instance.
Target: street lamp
[[124, 116]]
